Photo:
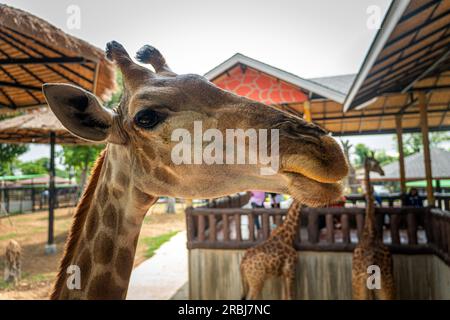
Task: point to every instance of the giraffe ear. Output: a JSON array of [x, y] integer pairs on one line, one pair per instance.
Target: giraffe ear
[[80, 112]]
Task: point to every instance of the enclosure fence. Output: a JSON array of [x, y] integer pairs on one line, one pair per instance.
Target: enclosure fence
[[34, 198], [404, 229]]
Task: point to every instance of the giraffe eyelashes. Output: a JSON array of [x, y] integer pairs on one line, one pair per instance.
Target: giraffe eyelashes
[[148, 119]]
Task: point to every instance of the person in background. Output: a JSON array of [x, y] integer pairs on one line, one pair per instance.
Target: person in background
[[413, 199], [275, 199], [257, 201], [378, 199]]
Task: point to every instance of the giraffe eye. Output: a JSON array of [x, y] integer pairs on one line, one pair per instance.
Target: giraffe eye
[[148, 119]]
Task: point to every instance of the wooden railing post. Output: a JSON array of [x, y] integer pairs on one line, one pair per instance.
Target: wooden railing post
[[443, 227], [251, 225], [411, 222], [313, 227], [190, 228], [330, 227], [201, 227], [448, 236], [395, 226], [429, 226], [345, 228], [265, 225], [212, 228], [436, 231], [237, 218], [226, 228], [359, 225]]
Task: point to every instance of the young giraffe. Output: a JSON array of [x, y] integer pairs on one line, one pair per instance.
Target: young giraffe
[[274, 257], [371, 249], [136, 166], [13, 264]]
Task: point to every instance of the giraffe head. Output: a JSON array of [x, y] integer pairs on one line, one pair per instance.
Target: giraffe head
[[157, 103], [372, 164]]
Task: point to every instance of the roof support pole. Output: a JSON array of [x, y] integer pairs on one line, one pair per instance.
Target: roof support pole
[[426, 147], [401, 155], [307, 111], [50, 248]]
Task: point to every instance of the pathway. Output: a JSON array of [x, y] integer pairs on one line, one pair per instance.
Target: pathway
[[160, 277]]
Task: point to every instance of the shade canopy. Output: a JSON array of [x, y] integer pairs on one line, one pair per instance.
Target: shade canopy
[[410, 53], [35, 127], [415, 169], [33, 52], [379, 116], [262, 82]]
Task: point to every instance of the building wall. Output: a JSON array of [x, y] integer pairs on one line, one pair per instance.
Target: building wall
[[214, 274]]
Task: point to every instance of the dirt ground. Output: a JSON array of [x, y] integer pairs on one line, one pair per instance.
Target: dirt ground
[[39, 270]]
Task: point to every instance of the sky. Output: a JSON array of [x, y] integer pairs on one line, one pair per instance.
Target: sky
[[305, 37]]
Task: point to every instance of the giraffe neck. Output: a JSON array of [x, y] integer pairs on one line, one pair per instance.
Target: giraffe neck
[[103, 238], [369, 223], [288, 230]]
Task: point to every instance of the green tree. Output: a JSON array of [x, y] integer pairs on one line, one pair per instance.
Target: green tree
[[412, 142], [116, 96], [9, 153], [384, 158], [361, 150], [38, 166], [81, 159]]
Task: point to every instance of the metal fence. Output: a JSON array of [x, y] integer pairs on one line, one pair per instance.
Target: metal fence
[[33, 198]]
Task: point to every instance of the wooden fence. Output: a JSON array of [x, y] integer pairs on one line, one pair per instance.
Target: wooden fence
[[442, 200], [405, 229]]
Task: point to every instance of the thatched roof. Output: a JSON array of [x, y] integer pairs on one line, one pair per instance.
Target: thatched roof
[[32, 52], [35, 127], [415, 169]]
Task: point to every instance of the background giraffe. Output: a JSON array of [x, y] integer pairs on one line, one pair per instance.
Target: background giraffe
[[136, 166], [371, 249], [274, 257], [13, 263]]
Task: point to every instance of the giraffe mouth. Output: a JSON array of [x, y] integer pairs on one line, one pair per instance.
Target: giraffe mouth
[[311, 192], [302, 172]]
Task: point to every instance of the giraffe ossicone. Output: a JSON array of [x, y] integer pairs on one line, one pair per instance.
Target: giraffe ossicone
[[136, 166]]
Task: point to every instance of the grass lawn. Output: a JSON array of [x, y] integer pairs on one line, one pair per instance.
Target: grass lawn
[[39, 270], [153, 243]]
